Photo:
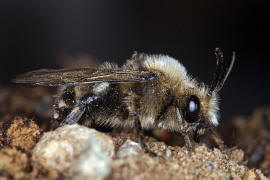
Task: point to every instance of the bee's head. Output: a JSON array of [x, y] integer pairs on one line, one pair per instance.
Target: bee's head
[[200, 111], [199, 107]]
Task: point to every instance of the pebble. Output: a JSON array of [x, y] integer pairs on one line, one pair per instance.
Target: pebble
[[57, 149], [93, 163], [168, 153], [250, 175], [129, 148]]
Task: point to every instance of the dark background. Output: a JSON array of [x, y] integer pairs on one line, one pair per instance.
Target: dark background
[[33, 33]]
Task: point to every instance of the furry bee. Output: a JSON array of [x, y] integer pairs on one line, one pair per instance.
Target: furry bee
[[148, 91]]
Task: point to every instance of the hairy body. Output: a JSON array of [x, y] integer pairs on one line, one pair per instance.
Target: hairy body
[[152, 103]]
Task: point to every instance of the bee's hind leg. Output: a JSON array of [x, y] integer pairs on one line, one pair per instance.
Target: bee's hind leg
[[79, 108], [74, 116]]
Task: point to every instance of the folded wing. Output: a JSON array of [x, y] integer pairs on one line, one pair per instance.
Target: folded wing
[[80, 76]]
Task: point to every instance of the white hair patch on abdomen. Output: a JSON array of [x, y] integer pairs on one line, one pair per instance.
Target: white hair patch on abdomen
[[100, 88]]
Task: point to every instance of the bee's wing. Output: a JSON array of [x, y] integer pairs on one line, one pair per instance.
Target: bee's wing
[[69, 77]]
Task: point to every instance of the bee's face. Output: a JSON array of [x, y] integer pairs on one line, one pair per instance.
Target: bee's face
[[200, 112]]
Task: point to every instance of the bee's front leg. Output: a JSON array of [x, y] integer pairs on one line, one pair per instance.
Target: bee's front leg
[[187, 140], [184, 131]]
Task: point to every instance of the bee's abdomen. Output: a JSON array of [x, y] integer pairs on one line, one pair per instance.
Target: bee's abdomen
[[105, 106], [115, 105]]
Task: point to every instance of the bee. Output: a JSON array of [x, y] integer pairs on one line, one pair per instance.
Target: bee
[[148, 91]]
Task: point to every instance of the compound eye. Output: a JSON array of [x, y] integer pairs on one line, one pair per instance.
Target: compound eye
[[192, 109]]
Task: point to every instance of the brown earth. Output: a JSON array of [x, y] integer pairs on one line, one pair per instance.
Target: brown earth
[[25, 117]]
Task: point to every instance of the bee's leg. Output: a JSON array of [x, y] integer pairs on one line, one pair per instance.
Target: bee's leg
[[79, 108], [139, 132], [74, 116], [187, 140], [140, 135], [184, 131]]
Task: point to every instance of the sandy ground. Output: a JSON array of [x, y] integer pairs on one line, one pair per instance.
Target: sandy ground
[[30, 149]]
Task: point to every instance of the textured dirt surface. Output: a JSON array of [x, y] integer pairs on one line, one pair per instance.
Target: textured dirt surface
[[252, 134], [23, 133], [14, 163], [25, 118]]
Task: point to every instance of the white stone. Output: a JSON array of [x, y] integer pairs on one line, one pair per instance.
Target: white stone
[[93, 163], [129, 148], [57, 149]]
